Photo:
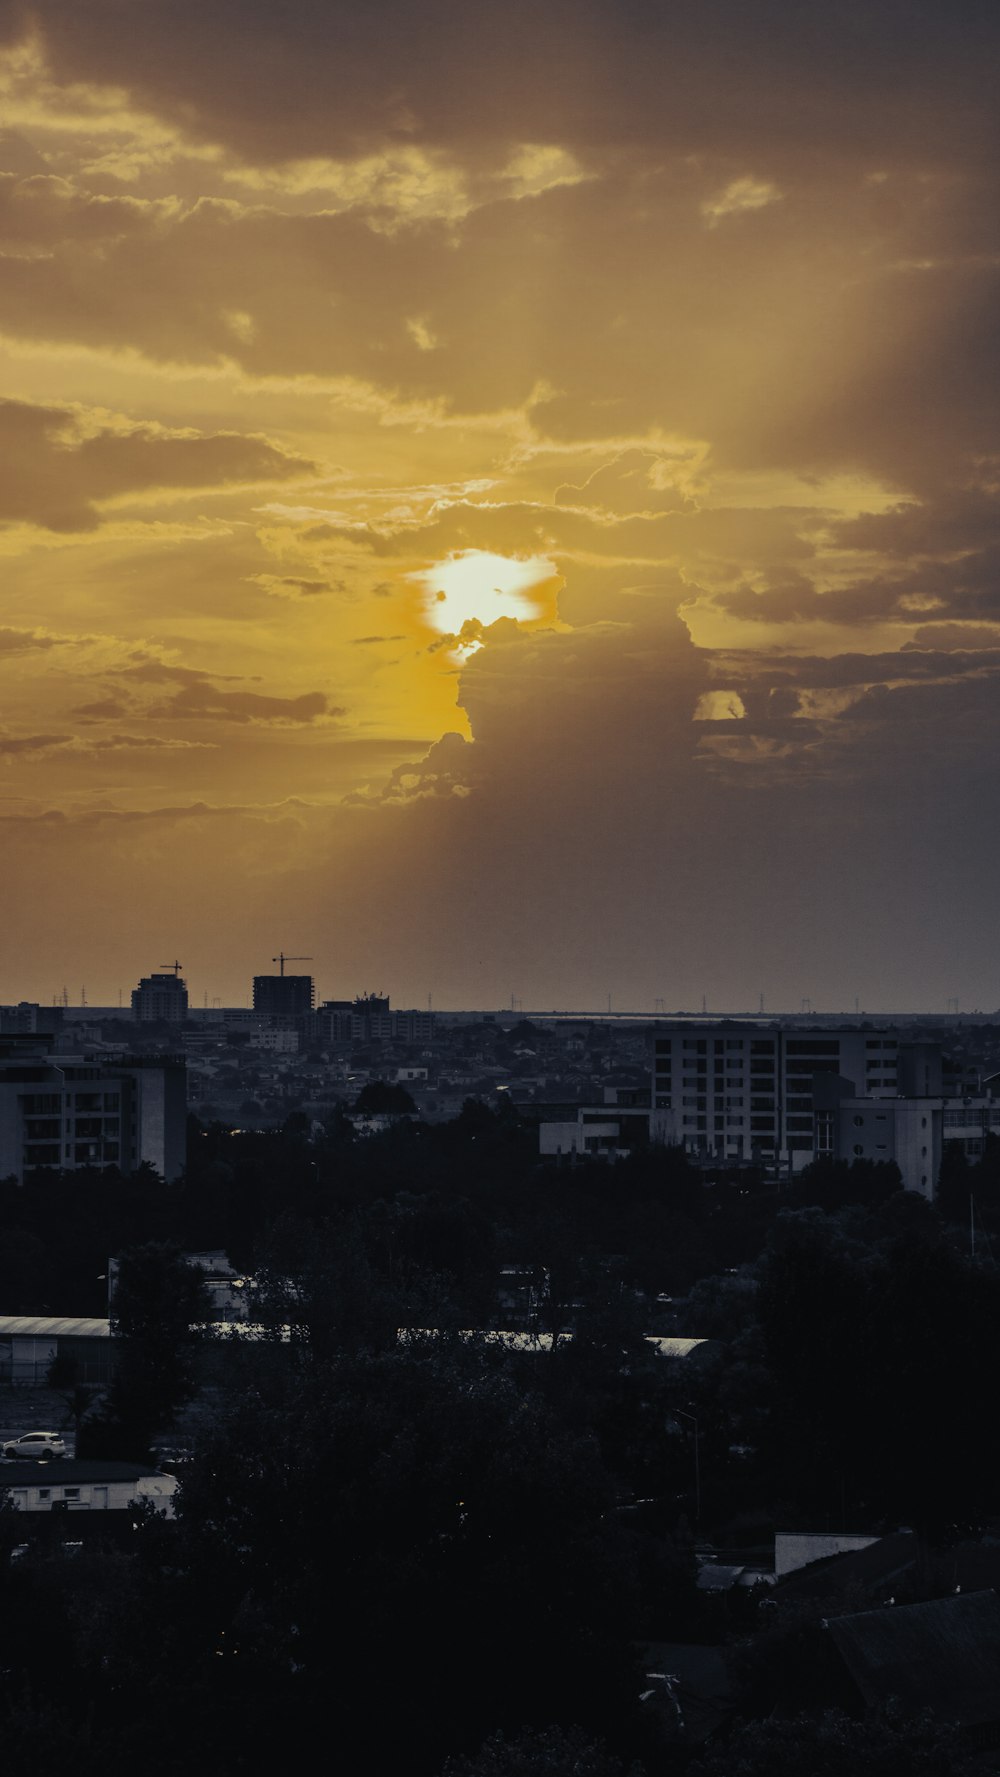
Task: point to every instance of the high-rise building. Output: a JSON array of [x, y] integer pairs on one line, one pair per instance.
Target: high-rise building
[[160, 998], [70, 1112], [283, 996]]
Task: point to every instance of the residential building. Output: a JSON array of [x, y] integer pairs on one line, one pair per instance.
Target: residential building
[[735, 1090], [283, 996], [606, 1132], [276, 1042], [28, 1018], [161, 998], [370, 1019], [87, 1486], [72, 1111], [912, 1132]]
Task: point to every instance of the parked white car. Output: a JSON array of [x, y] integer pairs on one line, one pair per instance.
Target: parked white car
[[40, 1445]]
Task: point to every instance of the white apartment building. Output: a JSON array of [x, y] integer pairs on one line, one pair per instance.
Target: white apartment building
[[738, 1090], [913, 1132]]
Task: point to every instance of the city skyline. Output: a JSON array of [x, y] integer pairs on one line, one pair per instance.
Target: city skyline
[[507, 501]]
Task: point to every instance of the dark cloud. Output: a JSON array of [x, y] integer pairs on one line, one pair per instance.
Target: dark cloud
[[55, 472], [102, 709], [27, 641], [689, 77], [954, 637], [206, 701], [11, 746]]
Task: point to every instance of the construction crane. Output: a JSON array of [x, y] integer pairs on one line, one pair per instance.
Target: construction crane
[[281, 959], [172, 968]]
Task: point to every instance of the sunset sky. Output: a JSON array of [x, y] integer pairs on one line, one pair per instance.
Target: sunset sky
[[501, 499]]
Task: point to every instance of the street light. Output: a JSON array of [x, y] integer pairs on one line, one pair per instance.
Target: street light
[[682, 1414]]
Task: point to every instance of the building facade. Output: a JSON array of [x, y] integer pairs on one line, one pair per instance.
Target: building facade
[[69, 1112], [735, 1090], [160, 998], [283, 996], [912, 1132]]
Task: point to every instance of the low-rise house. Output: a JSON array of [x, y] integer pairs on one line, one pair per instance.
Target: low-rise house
[[70, 1486], [943, 1655]]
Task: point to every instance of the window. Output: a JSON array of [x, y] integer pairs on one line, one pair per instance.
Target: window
[[813, 1047], [858, 1149]]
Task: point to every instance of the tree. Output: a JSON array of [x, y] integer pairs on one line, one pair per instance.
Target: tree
[[383, 1098], [836, 1746], [543, 1752], [158, 1314], [410, 1500]]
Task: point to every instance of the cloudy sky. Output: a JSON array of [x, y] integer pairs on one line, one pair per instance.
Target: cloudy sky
[[501, 499]]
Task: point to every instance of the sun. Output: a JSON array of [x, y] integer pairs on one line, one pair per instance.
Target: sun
[[475, 586]]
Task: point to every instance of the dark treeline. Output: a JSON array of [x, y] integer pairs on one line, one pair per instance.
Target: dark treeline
[[410, 1552]]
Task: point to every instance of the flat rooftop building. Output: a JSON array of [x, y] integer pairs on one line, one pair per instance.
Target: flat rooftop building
[[69, 1112], [160, 998]]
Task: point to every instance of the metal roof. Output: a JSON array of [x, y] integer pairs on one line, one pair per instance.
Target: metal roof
[[45, 1326]]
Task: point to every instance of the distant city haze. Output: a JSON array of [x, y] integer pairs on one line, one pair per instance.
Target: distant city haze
[[502, 506]]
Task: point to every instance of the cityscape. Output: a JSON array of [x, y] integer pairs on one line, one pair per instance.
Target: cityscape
[[499, 987], [728, 1267]]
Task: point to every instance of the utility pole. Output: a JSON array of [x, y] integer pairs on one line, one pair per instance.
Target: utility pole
[[697, 1464]]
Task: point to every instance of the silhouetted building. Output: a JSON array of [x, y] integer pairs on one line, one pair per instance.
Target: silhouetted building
[[29, 1018], [69, 1112], [160, 999], [283, 996]]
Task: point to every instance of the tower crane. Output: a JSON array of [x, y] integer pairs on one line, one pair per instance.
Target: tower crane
[[281, 959], [173, 968]]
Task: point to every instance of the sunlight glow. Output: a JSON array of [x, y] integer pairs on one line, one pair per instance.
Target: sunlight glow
[[475, 586]]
